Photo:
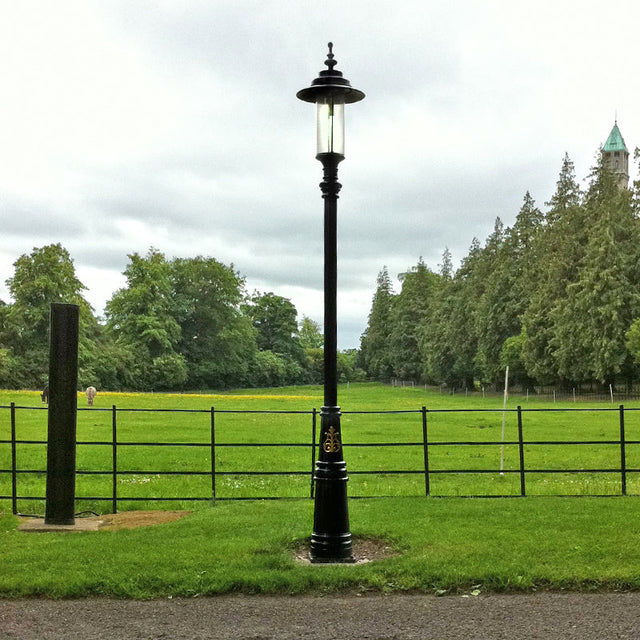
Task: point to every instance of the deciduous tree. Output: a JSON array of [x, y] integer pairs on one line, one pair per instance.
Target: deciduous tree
[[142, 318], [45, 276], [216, 340]]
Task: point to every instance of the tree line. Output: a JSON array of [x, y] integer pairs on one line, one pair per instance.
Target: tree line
[[185, 323], [556, 297]]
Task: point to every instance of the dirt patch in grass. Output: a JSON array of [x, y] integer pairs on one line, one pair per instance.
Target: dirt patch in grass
[[364, 550], [106, 522], [135, 519]]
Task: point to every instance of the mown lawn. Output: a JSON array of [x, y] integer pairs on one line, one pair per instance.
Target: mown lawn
[[446, 546]]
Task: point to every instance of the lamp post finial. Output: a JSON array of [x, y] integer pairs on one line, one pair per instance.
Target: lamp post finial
[[330, 62]]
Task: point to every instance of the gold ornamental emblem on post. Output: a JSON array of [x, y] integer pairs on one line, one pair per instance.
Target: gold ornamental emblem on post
[[331, 442]]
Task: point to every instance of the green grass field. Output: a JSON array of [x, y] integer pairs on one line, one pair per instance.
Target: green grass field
[[446, 546], [386, 429]]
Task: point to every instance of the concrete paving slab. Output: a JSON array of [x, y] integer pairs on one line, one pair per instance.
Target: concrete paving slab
[[37, 525]]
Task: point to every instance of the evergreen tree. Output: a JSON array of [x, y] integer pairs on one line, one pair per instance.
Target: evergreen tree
[[567, 195], [446, 266], [557, 250], [494, 316], [636, 186], [508, 273], [603, 300], [633, 334], [450, 341], [376, 357], [409, 317]]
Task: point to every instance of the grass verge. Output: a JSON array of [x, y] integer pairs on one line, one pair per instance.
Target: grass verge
[[447, 546]]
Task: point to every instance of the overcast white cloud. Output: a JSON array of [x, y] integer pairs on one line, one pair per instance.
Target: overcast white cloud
[[128, 124]]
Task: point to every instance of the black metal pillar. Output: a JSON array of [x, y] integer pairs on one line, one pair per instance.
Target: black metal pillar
[[63, 402], [331, 538]]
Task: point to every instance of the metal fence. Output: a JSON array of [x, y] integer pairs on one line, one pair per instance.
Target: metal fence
[[581, 393], [428, 469]]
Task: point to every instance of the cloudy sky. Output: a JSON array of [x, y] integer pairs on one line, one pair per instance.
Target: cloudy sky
[[127, 124]]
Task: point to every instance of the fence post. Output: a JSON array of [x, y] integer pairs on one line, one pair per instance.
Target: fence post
[[313, 450], [213, 455], [623, 454], [523, 491], [14, 462], [114, 454], [425, 442]]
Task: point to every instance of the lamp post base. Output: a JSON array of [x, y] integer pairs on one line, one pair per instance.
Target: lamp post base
[[327, 553], [331, 538]]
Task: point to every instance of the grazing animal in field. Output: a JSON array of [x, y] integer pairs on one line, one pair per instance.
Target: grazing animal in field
[[91, 394], [44, 396]]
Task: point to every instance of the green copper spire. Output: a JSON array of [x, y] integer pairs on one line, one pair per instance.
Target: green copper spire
[[615, 141]]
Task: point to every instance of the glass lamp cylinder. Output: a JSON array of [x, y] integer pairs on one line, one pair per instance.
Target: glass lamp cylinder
[[330, 125]]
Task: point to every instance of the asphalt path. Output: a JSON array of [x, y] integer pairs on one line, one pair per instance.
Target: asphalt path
[[352, 617]]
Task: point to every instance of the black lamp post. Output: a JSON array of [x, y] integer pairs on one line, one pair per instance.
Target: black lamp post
[[331, 539]]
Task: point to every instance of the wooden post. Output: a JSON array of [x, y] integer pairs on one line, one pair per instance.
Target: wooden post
[[63, 407]]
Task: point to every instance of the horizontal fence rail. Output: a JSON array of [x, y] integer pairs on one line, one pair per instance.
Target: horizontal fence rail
[[431, 465]]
